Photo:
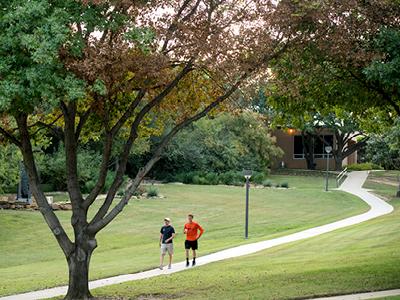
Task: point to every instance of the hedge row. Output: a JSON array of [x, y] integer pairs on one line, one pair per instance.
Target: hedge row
[[212, 178]]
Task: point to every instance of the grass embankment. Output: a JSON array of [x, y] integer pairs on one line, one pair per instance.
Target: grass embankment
[[361, 258], [30, 258]]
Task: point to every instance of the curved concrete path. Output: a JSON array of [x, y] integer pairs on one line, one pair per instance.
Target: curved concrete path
[[363, 296], [352, 184]]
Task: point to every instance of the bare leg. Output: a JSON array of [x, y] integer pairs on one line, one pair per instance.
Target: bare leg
[[170, 261], [187, 257], [194, 258], [161, 260]]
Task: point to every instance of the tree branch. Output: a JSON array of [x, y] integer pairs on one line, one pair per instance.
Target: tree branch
[[71, 148], [354, 147], [82, 120], [132, 137], [174, 26], [98, 223], [46, 210], [108, 148], [10, 137], [101, 219], [378, 89]]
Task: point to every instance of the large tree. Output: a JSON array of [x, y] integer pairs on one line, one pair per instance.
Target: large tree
[[124, 70], [354, 65], [349, 136]]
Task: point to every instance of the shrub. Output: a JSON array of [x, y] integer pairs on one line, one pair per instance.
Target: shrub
[[47, 187], [10, 158], [89, 185], [220, 144], [277, 185], [285, 185], [212, 178], [199, 180], [364, 167], [52, 169], [267, 183], [139, 191], [152, 191], [231, 177], [258, 177]]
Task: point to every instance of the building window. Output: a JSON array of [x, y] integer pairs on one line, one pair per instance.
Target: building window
[[319, 146], [298, 152]]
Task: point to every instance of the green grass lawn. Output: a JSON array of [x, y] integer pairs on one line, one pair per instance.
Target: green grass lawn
[[30, 258], [383, 183], [360, 258]]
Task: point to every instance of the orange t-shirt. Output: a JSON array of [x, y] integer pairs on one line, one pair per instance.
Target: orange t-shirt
[[192, 230]]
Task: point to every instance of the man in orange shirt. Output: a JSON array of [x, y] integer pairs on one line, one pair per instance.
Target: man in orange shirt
[[191, 230]]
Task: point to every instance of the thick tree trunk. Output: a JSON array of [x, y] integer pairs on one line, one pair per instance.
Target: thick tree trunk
[[338, 163], [78, 265], [308, 149]]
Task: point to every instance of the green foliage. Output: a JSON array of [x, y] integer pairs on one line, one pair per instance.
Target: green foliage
[[267, 183], [32, 76], [138, 192], [210, 178], [231, 177], [364, 167], [92, 176], [285, 185], [220, 145], [258, 177], [152, 191], [142, 37], [384, 149], [386, 70], [10, 158], [52, 170]]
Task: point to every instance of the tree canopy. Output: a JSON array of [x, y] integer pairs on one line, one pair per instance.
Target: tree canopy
[[114, 71]]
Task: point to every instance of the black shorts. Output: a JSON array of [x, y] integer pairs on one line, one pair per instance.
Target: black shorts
[[191, 245]]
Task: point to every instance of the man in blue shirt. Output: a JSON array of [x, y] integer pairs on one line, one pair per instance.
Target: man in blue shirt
[[167, 234]]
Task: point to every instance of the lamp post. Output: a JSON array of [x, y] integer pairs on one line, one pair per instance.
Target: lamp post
[[247, 174], [328, 149]]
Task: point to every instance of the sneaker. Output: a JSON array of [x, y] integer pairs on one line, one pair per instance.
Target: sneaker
[[169, 266], [193, 263], [187, 264], [160, 267]]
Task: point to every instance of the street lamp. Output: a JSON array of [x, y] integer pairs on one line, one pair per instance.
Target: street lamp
[[328, 149], [247, 174]]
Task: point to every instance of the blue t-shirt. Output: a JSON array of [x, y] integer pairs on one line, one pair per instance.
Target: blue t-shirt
[[167, 232]]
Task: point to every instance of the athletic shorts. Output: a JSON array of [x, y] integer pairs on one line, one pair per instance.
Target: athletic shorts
[[167, 247], [191, 245]]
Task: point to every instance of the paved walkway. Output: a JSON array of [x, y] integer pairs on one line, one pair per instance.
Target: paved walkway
[[353, 184], [362, 296]]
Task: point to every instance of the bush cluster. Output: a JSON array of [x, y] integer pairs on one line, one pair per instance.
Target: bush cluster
[[152, 191], [212, 178], [10, 160], [364, 167]]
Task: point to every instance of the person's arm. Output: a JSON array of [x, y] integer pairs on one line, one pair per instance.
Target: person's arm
[[201, 231], [171, 238], [185, 229], [161, 235]]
